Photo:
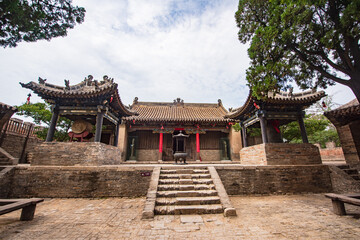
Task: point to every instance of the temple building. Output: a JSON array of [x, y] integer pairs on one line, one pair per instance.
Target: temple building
[[145, 131], [210, 136]]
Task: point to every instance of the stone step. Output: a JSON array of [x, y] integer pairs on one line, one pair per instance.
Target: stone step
[[356, 177], [5, 163], [189, 193], [344, 166], [184, 168], [184, 176], [184, 187], [188, 209], [351, 171], [185, 181], [188, 201], [184, 171]]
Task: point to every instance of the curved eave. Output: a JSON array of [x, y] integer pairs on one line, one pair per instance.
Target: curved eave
[[117, 104], [5, 107], [46, 93], [51, 92], [241, 110], [344, 115], [300, 101]]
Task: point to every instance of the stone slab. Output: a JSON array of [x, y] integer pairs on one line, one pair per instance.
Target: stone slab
[[191, 219]]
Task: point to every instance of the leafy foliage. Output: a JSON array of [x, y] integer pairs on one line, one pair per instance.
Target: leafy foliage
[[32, 20], [41, 114], [236, 127], [319, 130], [306, 42]]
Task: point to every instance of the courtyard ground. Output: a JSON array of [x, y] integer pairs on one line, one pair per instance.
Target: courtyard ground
[[307, 216]]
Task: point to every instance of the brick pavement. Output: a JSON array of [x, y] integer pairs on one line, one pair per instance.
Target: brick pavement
[[259, 217]]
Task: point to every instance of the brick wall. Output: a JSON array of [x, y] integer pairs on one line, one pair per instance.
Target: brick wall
[[74, 153], [342, 182], [121, 181], [210, 155], [280, 154], [253, 155], [6, 178], [275, 180], [348, 145], [332, 154], [235, 144], [147, 154], [69, 182], [13, 144]]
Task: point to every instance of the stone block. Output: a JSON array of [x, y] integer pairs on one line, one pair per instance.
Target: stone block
[[75, 154]]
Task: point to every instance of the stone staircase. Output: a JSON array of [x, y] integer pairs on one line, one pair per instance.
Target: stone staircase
[[186, 190], [352, 172], [6, 158]]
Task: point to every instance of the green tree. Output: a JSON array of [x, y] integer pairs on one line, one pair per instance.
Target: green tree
[[313, 43], [319, 130], [32, 20], [41, 114]]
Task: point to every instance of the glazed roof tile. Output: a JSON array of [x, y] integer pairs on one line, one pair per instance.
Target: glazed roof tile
[[304, 99], [345, 113], [178, 112], [4, 107], [82, 92]]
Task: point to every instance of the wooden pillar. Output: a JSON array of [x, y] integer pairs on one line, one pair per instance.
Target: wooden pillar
[[54, 118], [3, 132], [263, 126], [116, 139], [302, 129], [99, 124], [197, 146], [29, 130], [244, 136], [161, 145]]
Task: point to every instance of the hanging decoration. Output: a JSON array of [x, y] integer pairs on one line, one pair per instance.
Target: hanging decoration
[[323, 104], [28, 98], [276, 124]]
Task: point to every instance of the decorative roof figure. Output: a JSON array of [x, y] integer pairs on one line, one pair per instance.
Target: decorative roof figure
[[88, 92], [96, 101]]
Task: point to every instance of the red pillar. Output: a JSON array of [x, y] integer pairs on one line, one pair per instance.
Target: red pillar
[[160, 146], [197, 146]]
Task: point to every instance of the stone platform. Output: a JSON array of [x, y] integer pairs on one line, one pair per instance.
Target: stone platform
[[307, 216], [280, 154]]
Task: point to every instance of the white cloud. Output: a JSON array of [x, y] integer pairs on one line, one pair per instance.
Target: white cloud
[[156, 50]]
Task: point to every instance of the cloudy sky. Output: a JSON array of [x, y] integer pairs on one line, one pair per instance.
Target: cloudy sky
[[155, 50]]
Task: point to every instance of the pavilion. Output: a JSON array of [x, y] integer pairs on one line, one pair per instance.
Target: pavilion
[[269, 113]]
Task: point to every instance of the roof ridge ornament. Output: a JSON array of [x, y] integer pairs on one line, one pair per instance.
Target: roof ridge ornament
[[67, 84], [178, 102], [88, 80], [41, 81], [135, 101]]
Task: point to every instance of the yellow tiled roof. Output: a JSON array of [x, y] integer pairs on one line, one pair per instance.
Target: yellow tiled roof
[[178, 112]]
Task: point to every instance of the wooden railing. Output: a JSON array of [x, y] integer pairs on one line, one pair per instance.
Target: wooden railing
[[18, 126]]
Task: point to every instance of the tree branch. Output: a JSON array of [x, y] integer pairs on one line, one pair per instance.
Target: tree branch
[[303, 57]]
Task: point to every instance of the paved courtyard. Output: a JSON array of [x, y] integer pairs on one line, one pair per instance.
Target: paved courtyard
[[259, 217]]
